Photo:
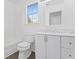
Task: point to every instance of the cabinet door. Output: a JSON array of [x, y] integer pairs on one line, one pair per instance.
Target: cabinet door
[[40, 47], [53, 47]]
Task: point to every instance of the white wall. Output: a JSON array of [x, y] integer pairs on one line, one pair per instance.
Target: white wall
[[69, 13], [67, 8], [13, 25]]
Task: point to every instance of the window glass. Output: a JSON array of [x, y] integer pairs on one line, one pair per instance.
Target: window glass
[[32, 12]]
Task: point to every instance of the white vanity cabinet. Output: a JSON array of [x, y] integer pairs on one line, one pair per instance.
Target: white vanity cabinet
[[47, 47], [54, 47]]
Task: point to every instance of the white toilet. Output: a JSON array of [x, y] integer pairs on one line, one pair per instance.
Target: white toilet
[[24, 47]]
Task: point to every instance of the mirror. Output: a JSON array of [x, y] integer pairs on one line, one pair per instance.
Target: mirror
[[55, 18]]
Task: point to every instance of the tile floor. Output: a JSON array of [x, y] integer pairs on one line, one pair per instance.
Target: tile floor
[[15, 56]]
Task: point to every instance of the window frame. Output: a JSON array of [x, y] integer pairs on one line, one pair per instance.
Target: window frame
[[35, 2]]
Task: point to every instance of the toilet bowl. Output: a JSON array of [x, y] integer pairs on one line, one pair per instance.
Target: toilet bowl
[[24, 47]]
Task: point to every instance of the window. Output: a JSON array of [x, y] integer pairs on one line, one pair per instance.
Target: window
[[32, 13]]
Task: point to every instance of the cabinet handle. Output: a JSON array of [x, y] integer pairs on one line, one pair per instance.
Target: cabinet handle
[[70, 43], [45, 38], [70, 55]]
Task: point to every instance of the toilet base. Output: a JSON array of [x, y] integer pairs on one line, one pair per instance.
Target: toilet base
[[24, 54]]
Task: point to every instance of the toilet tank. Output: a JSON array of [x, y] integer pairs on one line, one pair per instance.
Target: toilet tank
[[29, 38]]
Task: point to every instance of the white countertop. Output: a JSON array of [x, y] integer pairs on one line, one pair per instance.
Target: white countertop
[[57, 33]]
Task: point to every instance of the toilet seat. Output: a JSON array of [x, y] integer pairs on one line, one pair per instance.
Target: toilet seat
[[23, 44]]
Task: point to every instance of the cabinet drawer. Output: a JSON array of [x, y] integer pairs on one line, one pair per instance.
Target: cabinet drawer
[[67, 53], [67, 42]]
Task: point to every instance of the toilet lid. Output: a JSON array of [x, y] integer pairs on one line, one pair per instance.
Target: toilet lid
[[24, 44]]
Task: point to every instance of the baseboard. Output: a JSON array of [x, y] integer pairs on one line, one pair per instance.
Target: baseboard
[[10, 48]]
